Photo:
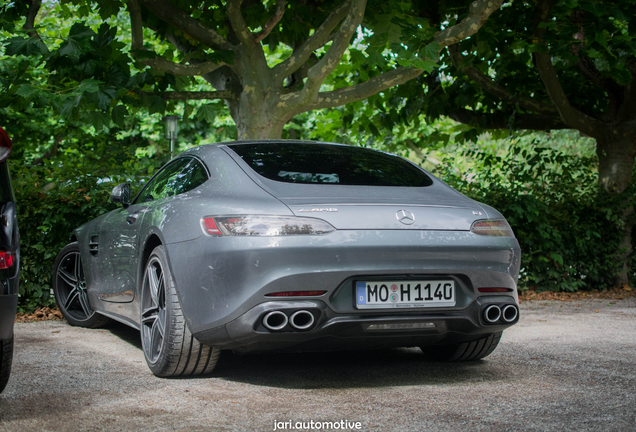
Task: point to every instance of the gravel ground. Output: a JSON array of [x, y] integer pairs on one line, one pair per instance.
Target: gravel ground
[[567, 366]]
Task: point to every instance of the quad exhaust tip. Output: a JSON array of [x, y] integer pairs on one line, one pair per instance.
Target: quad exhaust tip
[[275, 320], [492, 314], [301, 320], [509, 313]]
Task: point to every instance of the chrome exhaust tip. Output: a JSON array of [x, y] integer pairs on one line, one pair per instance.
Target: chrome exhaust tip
[[302, 320], [492, 314], [275, 320], [509, 313]]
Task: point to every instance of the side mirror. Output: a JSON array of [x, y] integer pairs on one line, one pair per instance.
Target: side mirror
[[121, 194]]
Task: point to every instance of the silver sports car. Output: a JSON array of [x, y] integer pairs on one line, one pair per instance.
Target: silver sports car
[[290, 245]]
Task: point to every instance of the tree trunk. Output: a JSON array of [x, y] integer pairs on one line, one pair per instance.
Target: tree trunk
[[616, 164]]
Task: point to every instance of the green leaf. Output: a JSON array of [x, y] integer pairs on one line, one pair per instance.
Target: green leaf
[[431, 51], [155, 104], [119, 114], [28, 91], [207, 113]]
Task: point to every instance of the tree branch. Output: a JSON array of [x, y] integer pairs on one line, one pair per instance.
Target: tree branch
[[238, 23], [569, 114], [321, 36], [159, 63], [478, 13], [271, 23], [485, 82], [317, 73], [501, 121], [363, 90], [184, 22], [192, 95]]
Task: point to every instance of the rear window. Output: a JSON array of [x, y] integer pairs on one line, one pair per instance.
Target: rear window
[[329, 164]]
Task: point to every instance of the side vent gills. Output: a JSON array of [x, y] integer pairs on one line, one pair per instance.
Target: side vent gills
[[93, 245]]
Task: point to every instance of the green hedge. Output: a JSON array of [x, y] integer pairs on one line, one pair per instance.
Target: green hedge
[[568, 228]]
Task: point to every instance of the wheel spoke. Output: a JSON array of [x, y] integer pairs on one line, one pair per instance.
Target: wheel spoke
[[72, 296], [153, 283], [149, 315], [161, 320], [156, 338], [66, 276], [83, 298], [78, 267]]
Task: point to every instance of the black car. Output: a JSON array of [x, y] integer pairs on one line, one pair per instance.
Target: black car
[[9, 261]]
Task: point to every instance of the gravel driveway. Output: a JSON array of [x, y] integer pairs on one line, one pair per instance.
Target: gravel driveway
[[565, 366]]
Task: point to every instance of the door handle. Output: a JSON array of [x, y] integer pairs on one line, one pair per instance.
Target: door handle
[[132, 218]]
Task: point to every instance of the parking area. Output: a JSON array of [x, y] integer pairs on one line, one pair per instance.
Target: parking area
[[565, 366]]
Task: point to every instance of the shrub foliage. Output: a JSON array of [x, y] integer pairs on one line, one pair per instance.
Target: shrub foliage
[[567, 226]]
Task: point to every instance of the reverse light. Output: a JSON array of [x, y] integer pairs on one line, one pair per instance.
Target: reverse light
[[6, 260], [296, 294], [496, 227], [265, 226]]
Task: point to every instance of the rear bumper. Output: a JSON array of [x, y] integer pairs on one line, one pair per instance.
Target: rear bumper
[[337, 331], [8, 307], [219, 280]]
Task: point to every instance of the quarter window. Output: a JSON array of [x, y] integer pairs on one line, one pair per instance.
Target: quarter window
[[179, 176]]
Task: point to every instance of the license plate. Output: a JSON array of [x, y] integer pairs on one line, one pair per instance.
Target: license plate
[[404, 294]]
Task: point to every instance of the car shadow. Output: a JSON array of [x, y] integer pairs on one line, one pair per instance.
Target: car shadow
[[352, 369], [340, 369]]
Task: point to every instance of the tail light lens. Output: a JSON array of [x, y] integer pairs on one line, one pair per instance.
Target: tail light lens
[[6, 260], [495, 227], [5, 145], [265, 226]]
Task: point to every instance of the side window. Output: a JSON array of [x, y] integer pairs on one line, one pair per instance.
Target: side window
[[177, 177]]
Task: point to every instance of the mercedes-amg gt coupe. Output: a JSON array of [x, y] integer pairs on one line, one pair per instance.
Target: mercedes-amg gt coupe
[[292, 246]]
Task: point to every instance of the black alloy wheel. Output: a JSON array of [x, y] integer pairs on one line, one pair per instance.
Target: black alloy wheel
[[169, 347], [69, 287]]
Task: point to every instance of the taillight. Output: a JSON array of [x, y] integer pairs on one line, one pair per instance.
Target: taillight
[[5, 145], [210, 226], [496, 227], [265, 226], [6, 260]]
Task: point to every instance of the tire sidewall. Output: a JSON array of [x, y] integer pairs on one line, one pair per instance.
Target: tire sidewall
[[159, 366], [89, 321]]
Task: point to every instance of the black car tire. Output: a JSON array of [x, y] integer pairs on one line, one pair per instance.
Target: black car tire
[[69, 288], [466, 351], [6, 357], [169, 347]]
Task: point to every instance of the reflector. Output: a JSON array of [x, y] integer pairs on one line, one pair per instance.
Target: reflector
[[488, 290], [296, 294]]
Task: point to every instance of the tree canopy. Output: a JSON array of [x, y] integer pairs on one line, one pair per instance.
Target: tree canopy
[[268, 60]]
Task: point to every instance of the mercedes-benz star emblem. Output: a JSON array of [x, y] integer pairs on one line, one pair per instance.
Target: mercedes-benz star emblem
[[405, 216]]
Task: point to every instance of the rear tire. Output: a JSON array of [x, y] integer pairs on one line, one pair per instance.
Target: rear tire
[[69, 287], [169, 347], [466, 351], [6, 357]]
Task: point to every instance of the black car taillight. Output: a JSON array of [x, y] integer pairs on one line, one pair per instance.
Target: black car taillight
[[6, 260]]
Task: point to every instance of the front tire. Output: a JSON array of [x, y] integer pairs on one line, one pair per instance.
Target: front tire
[[6, 357], [69, 287], [169, 347], [466, 351]]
